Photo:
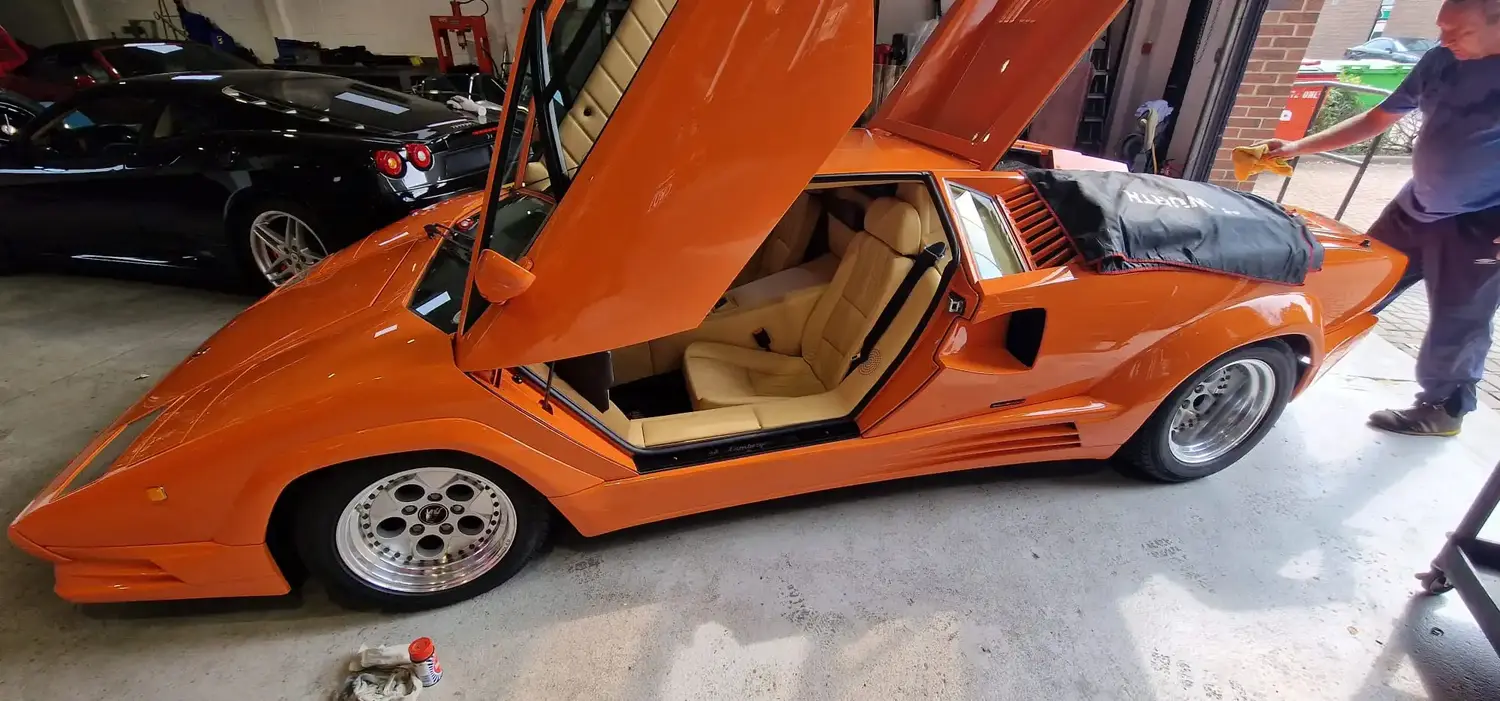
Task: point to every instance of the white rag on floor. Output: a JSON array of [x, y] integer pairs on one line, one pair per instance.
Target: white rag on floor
[[381, 674]]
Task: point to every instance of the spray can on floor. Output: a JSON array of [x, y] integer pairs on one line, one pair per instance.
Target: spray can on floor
[[424, 658]]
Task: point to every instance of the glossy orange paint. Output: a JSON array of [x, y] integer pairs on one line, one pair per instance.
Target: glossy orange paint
[[743, 64], [977, 82], [337, 369]]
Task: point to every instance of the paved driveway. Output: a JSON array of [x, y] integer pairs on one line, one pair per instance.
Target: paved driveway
[[1320, 185]]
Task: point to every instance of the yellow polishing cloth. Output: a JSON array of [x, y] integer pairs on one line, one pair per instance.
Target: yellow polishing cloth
[[1249, 160]]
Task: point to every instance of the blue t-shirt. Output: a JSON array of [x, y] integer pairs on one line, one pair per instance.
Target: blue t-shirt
[[1456, 161]]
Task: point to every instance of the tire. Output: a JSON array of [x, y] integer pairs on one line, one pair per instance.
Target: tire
[[240, 225], [1153, 454], [340, 549]]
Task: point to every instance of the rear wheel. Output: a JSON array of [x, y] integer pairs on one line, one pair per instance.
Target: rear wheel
[[1210, 421], [276, 241], [409, 533]]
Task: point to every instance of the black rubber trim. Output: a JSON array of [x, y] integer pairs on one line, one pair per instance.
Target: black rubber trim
[[649, 460]]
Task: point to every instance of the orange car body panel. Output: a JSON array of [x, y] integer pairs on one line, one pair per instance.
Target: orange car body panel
[[978, 81], [654, 195], [337, 369]]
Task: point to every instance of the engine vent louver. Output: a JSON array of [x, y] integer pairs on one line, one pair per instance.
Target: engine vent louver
[[1047, 245]]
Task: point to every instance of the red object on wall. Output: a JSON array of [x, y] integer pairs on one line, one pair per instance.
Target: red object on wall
[[1301, 108], [469, 31], [11, 53]]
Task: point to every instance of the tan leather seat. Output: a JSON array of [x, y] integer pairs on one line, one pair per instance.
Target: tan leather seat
[[877, 259], [606, 85], [787, 244]]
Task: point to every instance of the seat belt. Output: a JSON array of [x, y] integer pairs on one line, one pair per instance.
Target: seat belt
[[920, 264]]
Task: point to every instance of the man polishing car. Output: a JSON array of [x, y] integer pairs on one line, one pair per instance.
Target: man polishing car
[[1447, 219]]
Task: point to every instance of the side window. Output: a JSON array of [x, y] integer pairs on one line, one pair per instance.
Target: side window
[[1381, 45], [184, 118], [104, 130], [516, 221], [584, 49], [984, 230], [46, 68], [91, 67]]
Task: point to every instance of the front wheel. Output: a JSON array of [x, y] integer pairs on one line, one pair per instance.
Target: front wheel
[[1210, 421], [409, 533]]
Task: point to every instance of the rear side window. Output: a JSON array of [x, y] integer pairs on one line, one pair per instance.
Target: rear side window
[[984, 230], [52, 68]]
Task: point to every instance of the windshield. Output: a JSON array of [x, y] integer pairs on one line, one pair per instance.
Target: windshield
[[146, 58], [347, 100]]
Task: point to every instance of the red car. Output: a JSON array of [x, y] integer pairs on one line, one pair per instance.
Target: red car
[[56, 72]]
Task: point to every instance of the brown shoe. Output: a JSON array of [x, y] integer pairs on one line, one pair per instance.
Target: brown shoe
[[1419, 420]]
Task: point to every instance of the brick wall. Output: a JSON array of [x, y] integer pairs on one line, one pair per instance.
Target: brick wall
[[1345, 23], [1414, 18], [1285, 33]]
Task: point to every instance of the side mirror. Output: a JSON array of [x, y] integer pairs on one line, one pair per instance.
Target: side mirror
[[499, 279]]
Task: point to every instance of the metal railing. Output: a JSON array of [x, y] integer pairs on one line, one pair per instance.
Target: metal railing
[[1363, 165]]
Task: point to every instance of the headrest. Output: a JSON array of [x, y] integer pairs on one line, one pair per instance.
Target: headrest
[[896, 223], [917, 195]]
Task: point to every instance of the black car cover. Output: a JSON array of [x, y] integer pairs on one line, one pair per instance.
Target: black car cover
[[1123, 222]]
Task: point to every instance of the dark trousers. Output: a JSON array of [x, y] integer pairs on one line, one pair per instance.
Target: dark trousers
[[1462, 295]]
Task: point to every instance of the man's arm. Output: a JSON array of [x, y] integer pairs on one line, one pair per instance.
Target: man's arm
[[1355, 130]]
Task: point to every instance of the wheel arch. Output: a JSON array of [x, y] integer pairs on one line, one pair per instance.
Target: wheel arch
[[278, 529], [1143, 382], [255, 506]]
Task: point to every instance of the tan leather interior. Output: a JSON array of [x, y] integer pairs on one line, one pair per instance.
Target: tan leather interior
[[606, 85], [720, 375], [786, 246], [817, 314], [782, 319], [776, 413], [917, 195], [839, 233]]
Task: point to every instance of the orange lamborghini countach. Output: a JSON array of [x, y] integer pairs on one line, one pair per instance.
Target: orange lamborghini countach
[[692, 284]]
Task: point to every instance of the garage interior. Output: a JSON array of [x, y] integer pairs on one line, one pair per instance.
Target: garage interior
[[1289, 576]]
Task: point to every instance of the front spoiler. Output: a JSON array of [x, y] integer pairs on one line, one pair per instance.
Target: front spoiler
[[159, 572]]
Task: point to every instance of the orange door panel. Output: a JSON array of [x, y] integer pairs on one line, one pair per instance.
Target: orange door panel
[[987, 69], [686, 179]]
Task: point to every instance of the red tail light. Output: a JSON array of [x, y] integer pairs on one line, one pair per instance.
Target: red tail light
[[419, 155], [390, 163]]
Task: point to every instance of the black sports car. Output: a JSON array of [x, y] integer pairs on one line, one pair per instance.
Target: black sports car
[[255, 172]]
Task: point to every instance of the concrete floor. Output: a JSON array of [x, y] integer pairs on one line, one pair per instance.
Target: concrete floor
[[1287, 577]]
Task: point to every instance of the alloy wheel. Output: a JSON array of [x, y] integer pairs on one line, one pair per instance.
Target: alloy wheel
[[283, 246], [1221, 411], [425, 530]]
